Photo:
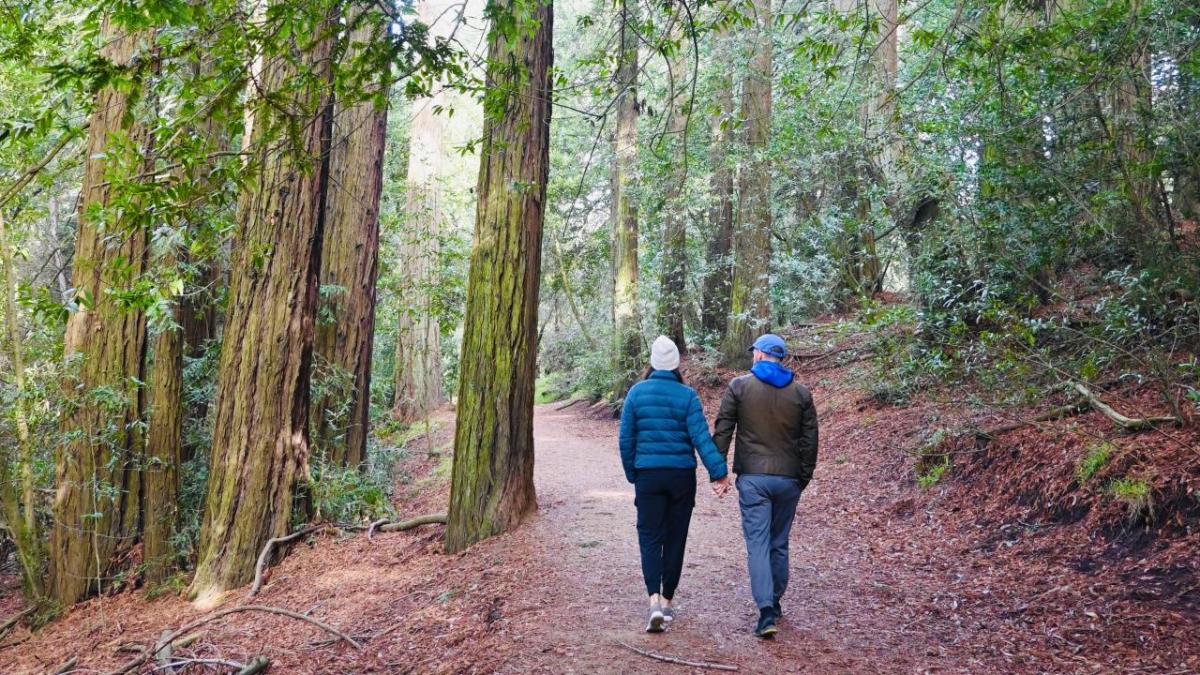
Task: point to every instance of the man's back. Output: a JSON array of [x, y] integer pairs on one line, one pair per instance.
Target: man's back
[[776, 427]]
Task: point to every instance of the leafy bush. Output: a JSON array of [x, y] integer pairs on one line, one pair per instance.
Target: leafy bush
[[551, 387], [345, 495]]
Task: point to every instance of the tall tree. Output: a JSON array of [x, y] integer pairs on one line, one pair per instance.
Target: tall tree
[[673, 300], [17, 493], [349, 260], [1128, 129], [260, 440], [418, 342], [720, 215], [862, 267], [164, 444], [492, 481], [749, 303], [627, 323], [97, 500], [627, 329]]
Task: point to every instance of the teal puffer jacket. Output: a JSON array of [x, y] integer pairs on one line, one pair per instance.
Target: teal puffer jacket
[[663, 427]]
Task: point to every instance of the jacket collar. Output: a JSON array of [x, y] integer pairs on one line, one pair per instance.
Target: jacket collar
[[664, 375], [772, 373]]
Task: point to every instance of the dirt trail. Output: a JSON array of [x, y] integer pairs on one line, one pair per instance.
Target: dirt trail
[[834, 616]]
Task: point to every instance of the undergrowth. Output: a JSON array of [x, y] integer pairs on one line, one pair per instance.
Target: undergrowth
[[1095, 460], [1135, 493]]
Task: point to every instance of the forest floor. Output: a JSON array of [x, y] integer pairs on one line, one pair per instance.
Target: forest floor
[[886, 577]]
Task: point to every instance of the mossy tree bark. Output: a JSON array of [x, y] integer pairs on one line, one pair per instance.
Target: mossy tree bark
[[749, 301], [17, 493], [862, 267], [96, 502], [349, 261], [627, 330], [492, 481], [164, 448], [1129, 103], [418, 341], [260, 442], [715, 317], [673, 302]]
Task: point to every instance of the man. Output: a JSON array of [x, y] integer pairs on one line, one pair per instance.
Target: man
[[774, 458]]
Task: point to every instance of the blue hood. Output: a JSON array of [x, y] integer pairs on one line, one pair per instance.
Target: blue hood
[[772, 373]]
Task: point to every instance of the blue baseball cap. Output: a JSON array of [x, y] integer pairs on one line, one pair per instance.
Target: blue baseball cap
[[770, 344]]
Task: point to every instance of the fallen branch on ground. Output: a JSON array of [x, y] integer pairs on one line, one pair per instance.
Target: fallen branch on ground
[[381, 525], [1130, 423], [179, 643], [12, 621], [171, 637], [681, 662], [860, 356], [822, 355], [66, 667], [1061, 411], [256, 666], [170, 666]]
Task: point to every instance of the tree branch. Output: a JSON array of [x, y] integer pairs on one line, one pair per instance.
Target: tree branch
[[1130, 423], [681, 662]]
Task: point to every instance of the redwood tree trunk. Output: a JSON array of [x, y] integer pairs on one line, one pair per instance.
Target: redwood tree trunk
[[673, 303], [96, 502], [260, 442], [492, 482], [749, 303], [164, 449], [349, 260], [720, 274], [418, 341], [627, 330]]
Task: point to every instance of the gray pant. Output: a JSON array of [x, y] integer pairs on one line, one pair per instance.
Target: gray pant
[[768, 506]]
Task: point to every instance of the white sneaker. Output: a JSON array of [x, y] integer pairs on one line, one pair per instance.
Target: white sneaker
[[657, 621]]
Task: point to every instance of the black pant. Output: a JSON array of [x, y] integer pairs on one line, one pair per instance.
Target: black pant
[[664, 501]]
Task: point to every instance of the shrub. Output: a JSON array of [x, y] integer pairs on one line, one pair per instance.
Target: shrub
[[345, 495], [933, 473]]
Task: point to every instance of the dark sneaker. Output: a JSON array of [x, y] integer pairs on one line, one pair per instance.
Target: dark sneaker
[[766, 628], [657, 620], [778, 610], [669, 614]]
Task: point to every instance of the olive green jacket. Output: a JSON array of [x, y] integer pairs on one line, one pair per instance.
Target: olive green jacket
[[776, 428]]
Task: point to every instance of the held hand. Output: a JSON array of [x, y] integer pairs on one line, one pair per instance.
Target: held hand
[[721, 486]]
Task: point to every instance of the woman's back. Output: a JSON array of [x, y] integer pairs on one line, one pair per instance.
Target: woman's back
[[663, 425]]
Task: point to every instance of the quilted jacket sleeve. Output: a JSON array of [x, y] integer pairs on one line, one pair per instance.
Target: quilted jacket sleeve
[[714, 461], [628, 436]]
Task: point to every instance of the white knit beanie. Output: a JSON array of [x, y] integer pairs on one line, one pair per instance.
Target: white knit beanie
[[664, 355]]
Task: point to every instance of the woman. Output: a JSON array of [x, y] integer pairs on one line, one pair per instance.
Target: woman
[[662, 429]]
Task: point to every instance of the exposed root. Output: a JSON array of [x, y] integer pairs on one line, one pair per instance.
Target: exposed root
[[266, 554], [171, 637], [429, 519]]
